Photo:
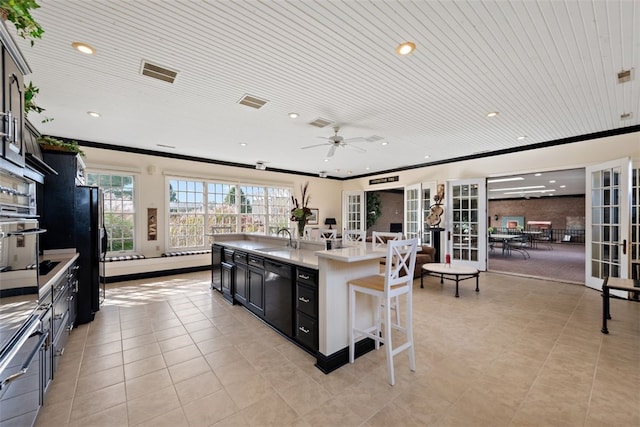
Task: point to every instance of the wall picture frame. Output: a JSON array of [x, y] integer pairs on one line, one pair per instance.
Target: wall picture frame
[[313, 218]]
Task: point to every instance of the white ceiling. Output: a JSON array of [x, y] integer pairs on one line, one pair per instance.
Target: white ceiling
[[548, 67], [535, 185]]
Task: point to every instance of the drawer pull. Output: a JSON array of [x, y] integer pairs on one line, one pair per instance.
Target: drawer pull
[[306, 331], [304, 276], [60, 352], [59, 316], [303, 299]]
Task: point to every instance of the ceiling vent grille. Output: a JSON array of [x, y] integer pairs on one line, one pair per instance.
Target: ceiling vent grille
[[320, 122], [158, 72], [374, 138], [252, 101], [624, 76]]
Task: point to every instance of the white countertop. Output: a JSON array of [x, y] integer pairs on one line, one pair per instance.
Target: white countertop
[[354, 253], [302, 257]]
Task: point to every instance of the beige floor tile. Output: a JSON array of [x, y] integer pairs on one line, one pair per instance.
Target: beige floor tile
[[138, 341], [190, 368], [206, 334], [224, 356], [144, 366], [271, 410], [142, 352], [175, 418], [139, 386], [238, 371], [210, 409], [154, 403], [55, 414], [100, 379], [248, 392], [87, 404], [101, 363], [305, 396], [112, 417], [197, 387]]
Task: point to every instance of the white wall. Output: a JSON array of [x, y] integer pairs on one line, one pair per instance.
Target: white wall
[[150, 174]]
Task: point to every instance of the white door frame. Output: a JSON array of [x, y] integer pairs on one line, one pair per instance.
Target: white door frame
[[354, 215]]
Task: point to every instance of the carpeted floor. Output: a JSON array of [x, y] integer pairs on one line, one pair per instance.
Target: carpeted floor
[[563, 263]]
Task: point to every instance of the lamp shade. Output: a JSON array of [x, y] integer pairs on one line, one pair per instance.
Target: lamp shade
[[330, 222]]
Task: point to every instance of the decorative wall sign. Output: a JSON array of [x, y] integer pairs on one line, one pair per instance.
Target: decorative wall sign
[[152, 224], [395, 178]]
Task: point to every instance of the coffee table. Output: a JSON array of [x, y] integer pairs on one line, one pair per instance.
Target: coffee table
[[450, 272]]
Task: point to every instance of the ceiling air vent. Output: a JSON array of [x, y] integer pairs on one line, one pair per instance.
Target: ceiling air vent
[[320, 122], [624, 76], [157, 72], [374, 138], [252, 101]]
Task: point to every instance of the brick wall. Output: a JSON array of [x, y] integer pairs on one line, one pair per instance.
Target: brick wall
[[554, 209]]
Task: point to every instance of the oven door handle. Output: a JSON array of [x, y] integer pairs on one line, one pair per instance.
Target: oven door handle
[[25, 367], [24, 232]]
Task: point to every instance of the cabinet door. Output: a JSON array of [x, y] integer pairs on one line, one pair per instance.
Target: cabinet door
[[12, 107], [226, 280], [256, 291], [241, 284]]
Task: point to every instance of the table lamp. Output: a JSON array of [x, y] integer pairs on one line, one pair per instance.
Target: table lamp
[[330, 222]]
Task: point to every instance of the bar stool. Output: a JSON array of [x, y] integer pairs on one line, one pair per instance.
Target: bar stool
[[397, 280], [379, 240]]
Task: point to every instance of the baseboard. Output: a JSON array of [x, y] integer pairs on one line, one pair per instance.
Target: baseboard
[[152, 274], [340, 358]]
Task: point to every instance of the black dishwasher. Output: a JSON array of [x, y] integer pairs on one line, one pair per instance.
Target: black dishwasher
[[278, 295]]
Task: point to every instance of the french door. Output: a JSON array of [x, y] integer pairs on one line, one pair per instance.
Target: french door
[[607, 222], [353, 210], [418, 199], [466, 228]]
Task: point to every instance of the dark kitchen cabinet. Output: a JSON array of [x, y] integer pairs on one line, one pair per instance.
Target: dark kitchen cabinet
[[216, 267], [241, 290], [306, 328], [12, 103], [255, 297], [227, 276]]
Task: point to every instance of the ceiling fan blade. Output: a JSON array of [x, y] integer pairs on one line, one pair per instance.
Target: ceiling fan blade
[[355, 139], [362, 150], [332, 150], [313, 146]]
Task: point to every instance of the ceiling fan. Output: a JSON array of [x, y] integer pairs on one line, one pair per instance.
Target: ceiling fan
[[336, 141]]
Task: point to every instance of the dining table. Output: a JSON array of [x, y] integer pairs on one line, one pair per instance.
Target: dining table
[[504, 238]]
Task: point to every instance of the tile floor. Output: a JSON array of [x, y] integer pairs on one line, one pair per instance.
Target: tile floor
[[522, 352]]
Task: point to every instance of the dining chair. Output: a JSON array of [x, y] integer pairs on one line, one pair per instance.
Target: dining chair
[[311, 233], [380, 238], [350, 236], [328, 233], [397, 280]]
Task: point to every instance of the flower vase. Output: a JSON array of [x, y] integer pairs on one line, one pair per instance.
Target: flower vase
[[301, 225]]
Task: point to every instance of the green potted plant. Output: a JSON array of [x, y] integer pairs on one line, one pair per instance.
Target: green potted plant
[[30, 93], [55, 144], [19, 13]]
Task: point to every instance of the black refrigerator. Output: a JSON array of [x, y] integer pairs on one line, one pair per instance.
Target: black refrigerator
[[89, 237], [72, 215]]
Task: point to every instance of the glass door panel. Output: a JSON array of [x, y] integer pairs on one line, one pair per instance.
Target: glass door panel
[[466, 213]]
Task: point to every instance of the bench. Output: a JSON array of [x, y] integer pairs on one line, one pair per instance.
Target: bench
[[134, 266], [618, 284]]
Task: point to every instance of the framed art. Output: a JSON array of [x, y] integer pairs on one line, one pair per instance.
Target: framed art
[[313, 218]]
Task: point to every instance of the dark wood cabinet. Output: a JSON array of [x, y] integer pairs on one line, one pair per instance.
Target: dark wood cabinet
[[255, 297], [306, 328], [216, 267], [227, 275], [242, 277], [12, 109]]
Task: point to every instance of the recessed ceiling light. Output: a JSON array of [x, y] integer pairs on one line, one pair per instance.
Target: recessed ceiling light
[[243, 144], [367, 168], [493, 114], [93, 114], [521, 137], [538, 174], [517, 188], [84, 48], [405, 48], [515, 178], [326, 160], [563, 186], [427, 156], [293, 115], [384, 143], [350, 172], [530, 191], [553, 181]]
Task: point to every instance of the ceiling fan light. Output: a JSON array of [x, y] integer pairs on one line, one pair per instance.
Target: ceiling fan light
[[405, 48]]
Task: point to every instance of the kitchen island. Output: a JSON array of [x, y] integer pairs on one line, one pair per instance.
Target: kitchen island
[[318, 287]]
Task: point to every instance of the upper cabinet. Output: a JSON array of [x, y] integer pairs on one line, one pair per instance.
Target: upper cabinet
[[14, 67]]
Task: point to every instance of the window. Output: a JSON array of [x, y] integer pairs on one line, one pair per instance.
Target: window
[[228, 208], [118, 208]]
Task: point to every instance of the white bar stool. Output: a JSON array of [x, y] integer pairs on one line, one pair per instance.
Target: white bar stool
[[397, 280]]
